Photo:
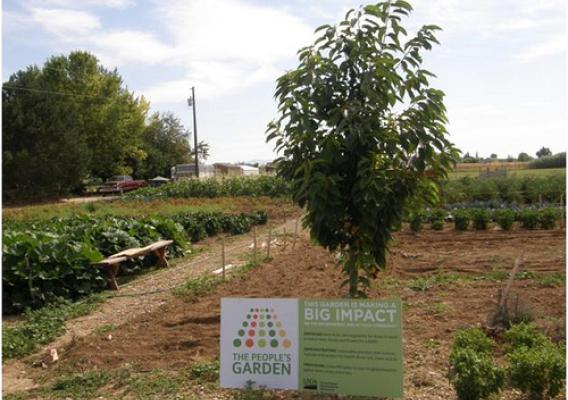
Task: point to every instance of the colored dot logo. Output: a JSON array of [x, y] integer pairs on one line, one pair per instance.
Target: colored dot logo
[[263, 329]]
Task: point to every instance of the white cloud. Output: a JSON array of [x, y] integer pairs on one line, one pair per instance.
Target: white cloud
[[226, 45], [127, 46], [66, 24], [552, 46], [84, 3]]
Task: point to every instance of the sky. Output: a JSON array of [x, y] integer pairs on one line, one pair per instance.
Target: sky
[[501, 63]]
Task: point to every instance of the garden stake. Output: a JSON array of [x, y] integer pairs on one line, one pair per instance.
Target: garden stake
[[269, 240], [254, 242], [223, 255], [295, 234]]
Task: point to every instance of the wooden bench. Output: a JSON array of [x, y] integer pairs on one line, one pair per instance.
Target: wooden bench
[[112, 263]]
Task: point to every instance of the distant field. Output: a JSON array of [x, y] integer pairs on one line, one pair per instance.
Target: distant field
[[519, 173]]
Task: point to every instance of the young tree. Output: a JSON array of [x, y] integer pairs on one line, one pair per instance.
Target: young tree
[[543, 152], [524, 157], [360, 131]]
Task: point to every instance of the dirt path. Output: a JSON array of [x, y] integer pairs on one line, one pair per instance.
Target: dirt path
[[145, 295]]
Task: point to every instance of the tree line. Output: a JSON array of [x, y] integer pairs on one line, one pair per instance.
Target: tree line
[[72, 120], [542, 153]]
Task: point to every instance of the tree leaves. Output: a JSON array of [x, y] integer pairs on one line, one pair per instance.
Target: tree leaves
[[358, 127]]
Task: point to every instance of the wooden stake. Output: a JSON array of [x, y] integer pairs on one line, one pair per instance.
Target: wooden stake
[[562, 216], [269, 240], [223, 255], [254, 242], [295, 234], [284, 238]]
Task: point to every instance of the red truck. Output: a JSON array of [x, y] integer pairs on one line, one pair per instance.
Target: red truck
[[120, 184]]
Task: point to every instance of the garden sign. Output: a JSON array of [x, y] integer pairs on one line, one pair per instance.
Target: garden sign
[[351, 347]]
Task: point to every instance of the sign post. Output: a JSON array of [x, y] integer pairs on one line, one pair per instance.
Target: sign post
[[350, 347]]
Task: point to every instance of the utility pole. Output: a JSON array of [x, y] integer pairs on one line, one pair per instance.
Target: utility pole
[[191, 102]]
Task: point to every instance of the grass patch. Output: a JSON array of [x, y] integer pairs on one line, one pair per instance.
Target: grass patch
[[422, 284], [80, 386], [206, 284], [156, 384], [437, 308], [194, 288], [103, 329], [43, 325], [205, 372]]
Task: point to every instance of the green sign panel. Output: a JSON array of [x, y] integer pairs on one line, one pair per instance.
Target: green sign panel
[[351, 347]]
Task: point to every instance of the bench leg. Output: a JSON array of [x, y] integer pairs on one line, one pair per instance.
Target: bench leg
[[112, 270], [161, 254]]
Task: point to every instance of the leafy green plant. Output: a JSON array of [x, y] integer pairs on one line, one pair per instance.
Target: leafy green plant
[[461, 220], [416, 220], [437, 220], [473, 339], [481, 218], [48, 259], [548, 218], [359, 130], [524, 335], [529, 219], [505, 218], [474, 375], [538, 371]]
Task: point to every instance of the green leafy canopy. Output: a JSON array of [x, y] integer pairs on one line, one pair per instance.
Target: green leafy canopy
[[360, 131]]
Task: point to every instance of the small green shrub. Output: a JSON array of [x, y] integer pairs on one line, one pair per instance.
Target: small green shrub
[[524, 335], [461, 220], [437, 225], [437, 219], [474, 375], [548, 218], [473, 339], [538, 371], [529, 219], [481, 219], [505, 219], [416, 221]]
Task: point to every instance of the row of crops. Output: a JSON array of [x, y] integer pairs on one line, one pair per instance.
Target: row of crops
[[50, 259], [509, 190], [480, 218], [270, 186], [503, 190]]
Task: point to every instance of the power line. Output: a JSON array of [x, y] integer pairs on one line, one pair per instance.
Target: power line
[[4, 86]]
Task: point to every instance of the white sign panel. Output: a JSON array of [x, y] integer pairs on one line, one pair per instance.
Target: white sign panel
[[259, 343]]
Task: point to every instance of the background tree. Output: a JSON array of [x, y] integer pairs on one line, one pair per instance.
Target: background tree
[[524, 157], [543, 152], [166, 143], [64, 121], [493, 156], [72, 119], [360, 130]]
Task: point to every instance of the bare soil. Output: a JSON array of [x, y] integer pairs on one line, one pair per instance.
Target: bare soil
[[176, 334]]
